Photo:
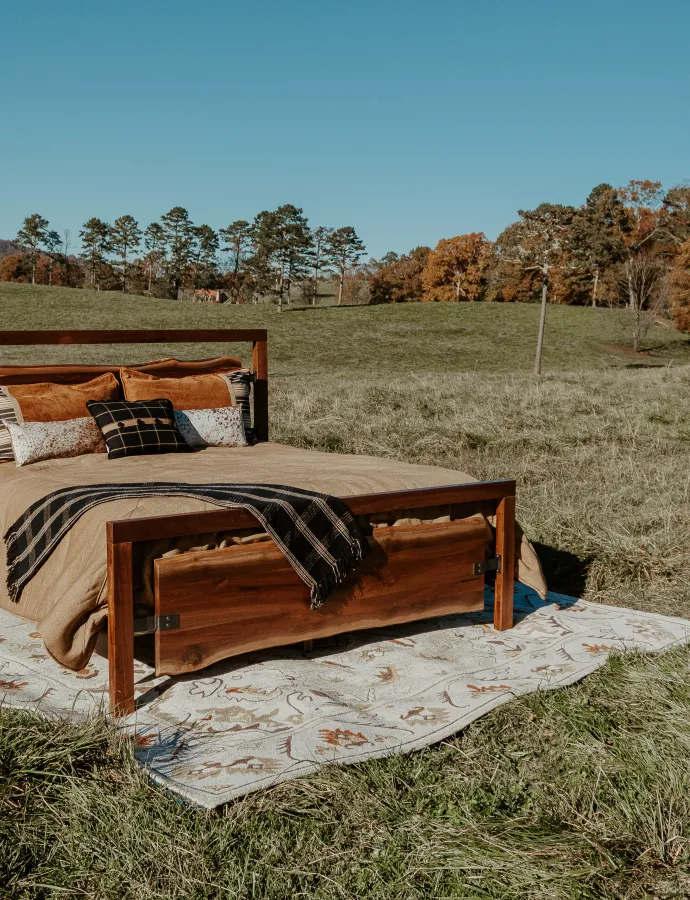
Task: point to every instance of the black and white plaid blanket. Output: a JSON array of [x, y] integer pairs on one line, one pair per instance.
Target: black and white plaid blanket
[[316, 532]]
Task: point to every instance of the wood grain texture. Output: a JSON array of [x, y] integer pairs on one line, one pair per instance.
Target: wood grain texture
[[249, 597], [505, 579], [411, 574], [163, 527], [120, 629]]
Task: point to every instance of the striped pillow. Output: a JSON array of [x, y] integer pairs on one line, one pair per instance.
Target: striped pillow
[[240, 384], [9, 414]]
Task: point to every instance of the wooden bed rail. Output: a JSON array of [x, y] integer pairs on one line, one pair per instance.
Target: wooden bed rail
[[258, 337], [492, 497]]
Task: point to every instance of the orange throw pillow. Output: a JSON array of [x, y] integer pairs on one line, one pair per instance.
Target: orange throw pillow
[[48, 402], [190, 392]]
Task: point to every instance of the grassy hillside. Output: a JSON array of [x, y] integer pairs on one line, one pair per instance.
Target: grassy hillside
[[577, 794], [379, 340]]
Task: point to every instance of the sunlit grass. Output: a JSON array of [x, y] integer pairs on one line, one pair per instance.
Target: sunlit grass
[[576, 793]]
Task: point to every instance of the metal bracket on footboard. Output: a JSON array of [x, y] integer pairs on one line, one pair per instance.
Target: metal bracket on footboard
[[151, 624], [488, 565], [483, 498]]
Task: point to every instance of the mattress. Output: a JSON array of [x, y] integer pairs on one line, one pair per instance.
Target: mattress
[[67, 596]]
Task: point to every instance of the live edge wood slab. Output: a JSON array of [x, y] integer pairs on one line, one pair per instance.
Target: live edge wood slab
[[247, 597]]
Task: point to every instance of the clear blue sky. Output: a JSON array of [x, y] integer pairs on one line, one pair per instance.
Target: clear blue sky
[[410, 120]]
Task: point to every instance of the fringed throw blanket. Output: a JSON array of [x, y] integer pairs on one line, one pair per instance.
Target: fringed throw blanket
[[316, 532]]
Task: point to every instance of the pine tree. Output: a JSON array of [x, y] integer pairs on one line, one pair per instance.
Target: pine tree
[[179, 241], [52, 243], [31, 236], [320, 238], [205, 250], [344, 249], [125, 237], [264, 262], [282, 242], [238, 236], [95, 238], [154, 241]]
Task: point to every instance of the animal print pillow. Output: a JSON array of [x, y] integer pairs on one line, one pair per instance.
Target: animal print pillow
[[36, 441], [222, 427]]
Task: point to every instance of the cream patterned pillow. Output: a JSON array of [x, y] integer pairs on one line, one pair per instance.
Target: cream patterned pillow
[[222, 427], [36, 441]]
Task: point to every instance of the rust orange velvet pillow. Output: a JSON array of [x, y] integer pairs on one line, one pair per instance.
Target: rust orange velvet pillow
[[190, 392], [47, 402]]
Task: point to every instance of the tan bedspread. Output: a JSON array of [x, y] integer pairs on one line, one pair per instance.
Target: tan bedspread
[[67, 597]]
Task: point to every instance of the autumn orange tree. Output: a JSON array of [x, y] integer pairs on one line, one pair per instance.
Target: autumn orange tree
[[455, 268], [400, 279], [680, 287], [643, 204]]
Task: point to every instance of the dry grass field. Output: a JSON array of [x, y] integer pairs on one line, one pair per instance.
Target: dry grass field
[[577, 793]]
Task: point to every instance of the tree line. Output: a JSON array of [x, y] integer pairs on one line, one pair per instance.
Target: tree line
[[267, 257], [624, 246]]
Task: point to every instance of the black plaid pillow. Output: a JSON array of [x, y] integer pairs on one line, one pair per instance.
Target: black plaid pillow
[[138, 428]]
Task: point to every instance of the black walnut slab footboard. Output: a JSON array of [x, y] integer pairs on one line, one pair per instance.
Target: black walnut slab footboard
[[219, 603], [215, 604]]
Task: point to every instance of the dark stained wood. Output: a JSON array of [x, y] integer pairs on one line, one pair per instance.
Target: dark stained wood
[[260, 367], [505, 548], [418, 498], [120, 629], [163, 527], [153, 528], [139, 336], [249, 597]]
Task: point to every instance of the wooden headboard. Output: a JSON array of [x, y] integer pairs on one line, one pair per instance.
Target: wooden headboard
[[258, 337]]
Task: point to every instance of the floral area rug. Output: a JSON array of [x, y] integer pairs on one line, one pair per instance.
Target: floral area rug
[[256, 720]]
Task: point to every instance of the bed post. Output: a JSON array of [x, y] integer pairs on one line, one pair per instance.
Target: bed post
[[120, 627], [505, 577], [260, 366]]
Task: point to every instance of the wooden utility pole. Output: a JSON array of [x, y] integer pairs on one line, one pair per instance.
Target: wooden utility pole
[[542, 317]]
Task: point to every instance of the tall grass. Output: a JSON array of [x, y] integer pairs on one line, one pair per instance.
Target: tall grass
[[601, 461], [577, 793]]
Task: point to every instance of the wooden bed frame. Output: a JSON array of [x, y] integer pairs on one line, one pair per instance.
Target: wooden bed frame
[[252, 598]]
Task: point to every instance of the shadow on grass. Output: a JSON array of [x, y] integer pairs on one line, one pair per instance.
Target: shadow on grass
[[644, 365], [565, 573], [296, 309]]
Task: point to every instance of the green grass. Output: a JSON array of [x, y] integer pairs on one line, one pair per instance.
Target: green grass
[[578, 793], [417, 337]]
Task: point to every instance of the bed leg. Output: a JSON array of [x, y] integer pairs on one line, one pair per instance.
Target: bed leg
[[505, 548], [120, 629]]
